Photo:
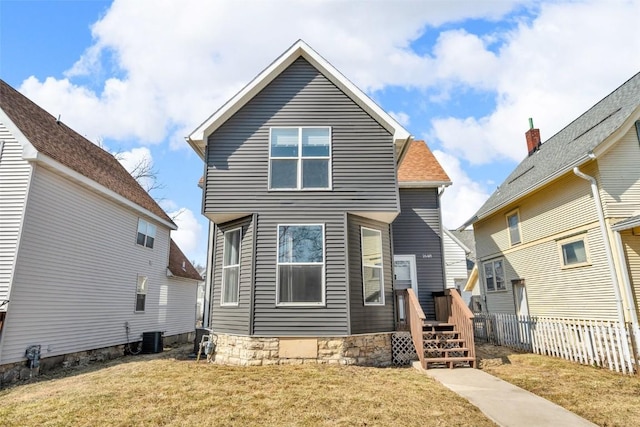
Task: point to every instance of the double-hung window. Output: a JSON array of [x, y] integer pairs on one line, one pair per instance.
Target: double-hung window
[[494, 275], [141, 293], [300, 158], [231, 267], [300, 265], [372, 277], [513, 222], [146, 233]]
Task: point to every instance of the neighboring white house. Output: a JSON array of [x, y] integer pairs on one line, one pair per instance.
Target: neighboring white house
[[84, 250], [455, 260]]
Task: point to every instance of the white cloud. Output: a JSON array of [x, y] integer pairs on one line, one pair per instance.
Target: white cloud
[[189, 236], [461, 200], [403, 118], [134, 161]]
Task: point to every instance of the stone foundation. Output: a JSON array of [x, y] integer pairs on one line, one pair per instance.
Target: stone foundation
[[13, 372], [365, 350]]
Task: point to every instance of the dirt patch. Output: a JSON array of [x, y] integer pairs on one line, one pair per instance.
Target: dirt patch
[[493, 355]]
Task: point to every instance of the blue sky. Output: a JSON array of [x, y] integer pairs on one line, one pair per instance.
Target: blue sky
[[139, 76]]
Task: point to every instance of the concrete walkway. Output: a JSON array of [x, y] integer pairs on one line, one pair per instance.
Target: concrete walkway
[[502, 402]]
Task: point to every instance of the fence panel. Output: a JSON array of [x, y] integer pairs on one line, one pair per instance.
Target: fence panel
[[589, 342]]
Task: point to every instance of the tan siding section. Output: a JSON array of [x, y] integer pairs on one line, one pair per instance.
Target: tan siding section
[[620, 177], [632, 252], [563, 205], [76, 274], [14, 180]]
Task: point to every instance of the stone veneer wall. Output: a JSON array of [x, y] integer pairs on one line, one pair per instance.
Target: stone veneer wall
[[366, 350], [13, 372]]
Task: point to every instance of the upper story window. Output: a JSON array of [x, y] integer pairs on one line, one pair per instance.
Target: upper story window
[[372, 277], [494, 275], [300, 265], [574, 251], [146, 233], [231, 267], [300, 158], [513, 222]]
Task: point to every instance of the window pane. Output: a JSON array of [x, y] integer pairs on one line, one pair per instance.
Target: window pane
[[315, 142], [371, 247], [300, 283], [231, 248], [499, 270], [372, 284], [140, 239], [140, 302], [300, 243], [231, 281], [151, 230], [514, 231], [574, 253], [488, 276], [142, 226], [284, 173], [315, 173], [284, 142], [141, 288], [150, 241]]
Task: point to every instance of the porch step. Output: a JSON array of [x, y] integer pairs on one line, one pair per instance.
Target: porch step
[[450, 362], [446, 340]]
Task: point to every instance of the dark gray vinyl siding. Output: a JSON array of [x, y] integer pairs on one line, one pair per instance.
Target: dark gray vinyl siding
[[363, 165], [369, 318], [270, 319], [416, 231], [225, 318]]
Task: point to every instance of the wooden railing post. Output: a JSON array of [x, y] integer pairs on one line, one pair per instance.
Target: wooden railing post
[[462, 318], [416, 319]]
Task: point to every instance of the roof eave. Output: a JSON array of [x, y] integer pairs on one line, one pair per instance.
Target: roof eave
[[423, 184]]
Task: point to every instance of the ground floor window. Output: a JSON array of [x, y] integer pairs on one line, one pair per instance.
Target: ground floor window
[[372, 278], [300, 264], [141, 293], [574, 251], [231, 267], [494, 275]]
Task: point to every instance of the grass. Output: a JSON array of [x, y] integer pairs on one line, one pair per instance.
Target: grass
[[603, 397], [168, 389]]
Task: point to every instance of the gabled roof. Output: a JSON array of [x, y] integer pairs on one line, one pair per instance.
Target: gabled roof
[[572, 146], [420, 168], [62, 144], [198, 137], [467, 239], [179, 265]]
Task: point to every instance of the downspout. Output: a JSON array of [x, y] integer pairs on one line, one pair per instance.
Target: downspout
[[444, 271], [607, 243]]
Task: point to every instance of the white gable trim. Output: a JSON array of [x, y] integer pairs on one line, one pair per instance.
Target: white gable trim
[[457, 241], [197, 139]]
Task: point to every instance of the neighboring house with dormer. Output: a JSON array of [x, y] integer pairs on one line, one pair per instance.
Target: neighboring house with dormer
[[309, 213], [85, 253], [560, 237]]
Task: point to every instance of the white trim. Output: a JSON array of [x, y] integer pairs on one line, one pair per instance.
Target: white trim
[[423, 184], [197, 139], [146, 233], [299, 159], [509, 214], [145, 293], [495, 283], [323, 263], [412, 269], [224, 250], [381, 267]]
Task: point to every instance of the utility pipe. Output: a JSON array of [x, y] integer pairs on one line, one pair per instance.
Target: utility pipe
[[607, 244]]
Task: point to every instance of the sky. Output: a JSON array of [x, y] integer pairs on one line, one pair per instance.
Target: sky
[[138, 76]]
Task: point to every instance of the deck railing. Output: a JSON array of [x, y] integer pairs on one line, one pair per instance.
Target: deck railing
[[416, 319], [460, 315]]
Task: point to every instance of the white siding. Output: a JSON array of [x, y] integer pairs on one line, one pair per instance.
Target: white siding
[[620, 177], [455, 259], [76, 274], [14, 180]]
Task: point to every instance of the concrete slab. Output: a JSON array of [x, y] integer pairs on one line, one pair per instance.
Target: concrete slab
[[502, 402]]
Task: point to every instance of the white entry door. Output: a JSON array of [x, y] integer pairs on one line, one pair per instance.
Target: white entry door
[[404, 270]]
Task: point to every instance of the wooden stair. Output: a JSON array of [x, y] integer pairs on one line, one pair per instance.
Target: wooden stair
[[443, 346]]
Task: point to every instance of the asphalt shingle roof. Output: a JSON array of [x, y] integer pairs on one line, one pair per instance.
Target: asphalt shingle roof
[[569, 147], [61, 143], [177, 260], [420, 165]]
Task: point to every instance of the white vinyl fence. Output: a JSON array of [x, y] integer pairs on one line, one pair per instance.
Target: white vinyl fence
[[599, 343]]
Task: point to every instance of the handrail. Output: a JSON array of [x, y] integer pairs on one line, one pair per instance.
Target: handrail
[[416, 320], [462, 317]]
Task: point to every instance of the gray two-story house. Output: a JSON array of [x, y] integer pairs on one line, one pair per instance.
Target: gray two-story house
[[301, 188]]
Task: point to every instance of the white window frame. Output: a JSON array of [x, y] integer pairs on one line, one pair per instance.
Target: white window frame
[[378, 267], [141, 289], [323, 263], [504, 274], [224, 250], [146, 233], [515, 213], [300, 158], [572, 239]]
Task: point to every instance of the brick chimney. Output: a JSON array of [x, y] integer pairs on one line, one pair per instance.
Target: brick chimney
[[533, 138]]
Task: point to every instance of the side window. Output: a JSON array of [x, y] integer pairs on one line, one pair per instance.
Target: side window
[[231, 267], [146, 233], [372, 277], [494, 275], [141, 293], [513, 223], [299, 158], [574, 251], [300, 265]]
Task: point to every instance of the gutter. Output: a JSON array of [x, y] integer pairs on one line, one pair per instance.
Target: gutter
[[605, 238]]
